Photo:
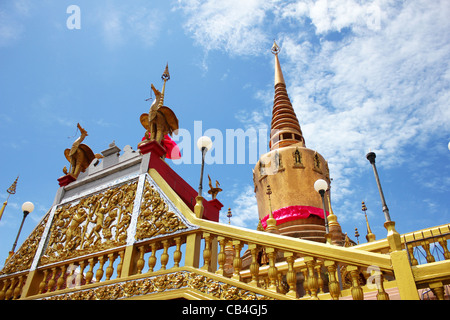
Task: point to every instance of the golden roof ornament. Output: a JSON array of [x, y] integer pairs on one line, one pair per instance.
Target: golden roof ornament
[[11, 190], [79, 155], [370, 236], [160, 120], [271, 222], [213, 191]]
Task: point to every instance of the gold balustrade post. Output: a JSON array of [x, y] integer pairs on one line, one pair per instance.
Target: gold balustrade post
[[99, 273], [382, 294], [152, 259], [177, 253], [60, 280], [120, 265], [357, 291], [443, 242], [404, 276], [254, 266], [313, 284], [165, 255], [130, 258], [90, 273], [291, 276], [333, 283], [207, 252], [305, 282], [438, 289], [32, 284], [273, 271], [193, 242], [221, 256], [110, 268], [237, 261]]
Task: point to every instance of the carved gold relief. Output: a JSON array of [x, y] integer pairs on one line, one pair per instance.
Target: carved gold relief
[[155, 217], [95, 223], [23, 258], [162, 283]]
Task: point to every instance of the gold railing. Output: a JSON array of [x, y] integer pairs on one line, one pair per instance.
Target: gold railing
[[274, 266]]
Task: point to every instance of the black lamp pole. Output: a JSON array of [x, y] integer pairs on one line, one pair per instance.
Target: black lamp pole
[[371, 157]]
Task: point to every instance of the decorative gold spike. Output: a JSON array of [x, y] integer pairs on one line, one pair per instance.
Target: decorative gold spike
[[11, 190], [370, 236]]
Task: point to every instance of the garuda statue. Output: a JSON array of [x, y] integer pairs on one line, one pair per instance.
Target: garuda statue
[[160, 120], [79, 156]]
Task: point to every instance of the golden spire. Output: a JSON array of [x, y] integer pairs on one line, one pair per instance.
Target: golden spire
[[332, 218], [285, 128], [278, 73], [370, 236]]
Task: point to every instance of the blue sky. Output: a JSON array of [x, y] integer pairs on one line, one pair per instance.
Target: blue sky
[[362, 75]]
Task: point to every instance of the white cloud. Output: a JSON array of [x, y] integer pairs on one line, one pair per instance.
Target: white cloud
[[367, 75], [233, 26], [120, 23], [244, 209]]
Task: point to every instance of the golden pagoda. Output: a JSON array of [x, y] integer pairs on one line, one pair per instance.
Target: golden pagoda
[[127, 226], [291, 170]]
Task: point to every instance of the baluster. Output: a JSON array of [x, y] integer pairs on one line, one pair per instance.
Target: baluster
[[152, 258], [305, 282], [357, 291], [43, 282], [18, 288], [333, 284], [313, 284], [60, 281], [237, 261], [411, 255], [319, 278], [382, 294], [291, 276], [177, 253], [99, 273], [140, 262], [80, 275], [120, 265], [164, 255], [207, 251], [110, 268], [52, 281], [3, 291], [9, 292], [426, 246], [443, 242], [254, 266], [273, 271], [221, 257], [90, 273], [438, 290]]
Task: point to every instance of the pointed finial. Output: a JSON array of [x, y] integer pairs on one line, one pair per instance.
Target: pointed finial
[[166, 75], [370, 236], [275, 48], [229, 215], [12, 189]]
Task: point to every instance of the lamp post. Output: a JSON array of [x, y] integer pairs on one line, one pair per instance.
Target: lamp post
[[371, 157], [27, 208], [393, 236], [204, 143], [321, 187]]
